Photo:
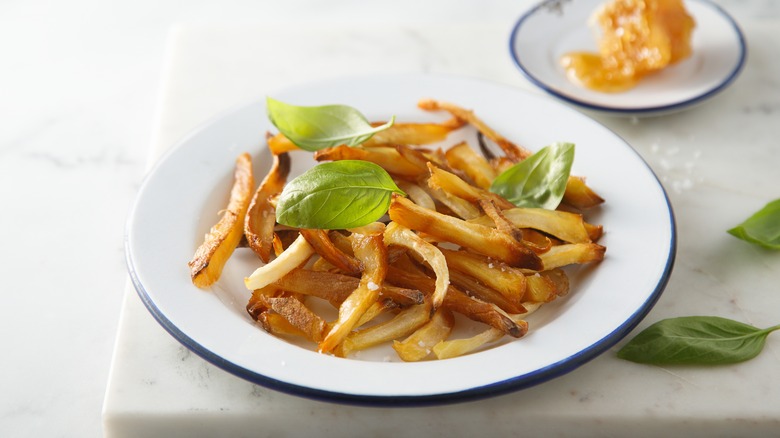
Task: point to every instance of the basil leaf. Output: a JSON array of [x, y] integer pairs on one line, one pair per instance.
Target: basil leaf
[[317, 127], [539, 181], [763, 228], [696, 340], [336, 195]]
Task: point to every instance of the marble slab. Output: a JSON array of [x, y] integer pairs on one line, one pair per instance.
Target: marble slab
[[718, 162]]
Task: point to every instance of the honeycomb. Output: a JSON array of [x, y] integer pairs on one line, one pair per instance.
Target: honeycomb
[[638, 37]]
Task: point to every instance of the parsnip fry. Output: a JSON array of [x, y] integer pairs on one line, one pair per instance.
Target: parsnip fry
[[396, 234], [419, 344], [401, 325], [299, 316], [279, 144], [512, 150], [459, 302], [278, 325], [319, 240], [385, 156], [260, 217], [572, 253], [339, 287], [479, 238], [453, 184], [464, 158], [370, 249], [459, 347], [414, 133], [223, 238], [507, 281], [479, 291], [579, 195], [566, 226], [292, 257], [416, 194]]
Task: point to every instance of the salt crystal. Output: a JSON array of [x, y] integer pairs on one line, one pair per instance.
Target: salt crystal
[[372, 286]]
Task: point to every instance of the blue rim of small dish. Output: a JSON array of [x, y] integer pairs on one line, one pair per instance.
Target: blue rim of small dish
[[636, 111]]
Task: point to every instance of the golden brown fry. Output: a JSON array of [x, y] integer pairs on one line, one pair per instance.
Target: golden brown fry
[[386, 157], [458, 206], [279, 144], [396, 234], [579, 195], [500, 221], [453, 184], [459, 347], [323, 246], [459, 302], [537, 241], [278, 325], [594, 231], [419, 344], [401, 325], [462, 157], [376, 309], [414, 133], [257, 303], [546, 286], [513, 151], [299, 316], [260, 216], [572, 253], [292, 257], [566, 226], [369, 248], [416, 194], [481, 292], [507, 281], [479, 238], [223, 238], [339, 287]]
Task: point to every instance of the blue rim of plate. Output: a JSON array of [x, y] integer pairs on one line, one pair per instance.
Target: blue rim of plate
[[527, 380], [636, 111]]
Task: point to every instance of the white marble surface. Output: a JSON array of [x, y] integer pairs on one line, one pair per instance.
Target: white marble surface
[[79, 100]]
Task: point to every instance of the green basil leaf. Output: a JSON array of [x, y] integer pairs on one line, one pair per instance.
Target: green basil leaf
[[539, 181], [316, 127], [696, 340], [336, 195], [763, 228]]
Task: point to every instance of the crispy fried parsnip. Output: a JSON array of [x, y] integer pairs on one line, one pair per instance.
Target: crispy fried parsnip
[[479, 238], [404, 323], [569, 227], [260, 217], [369, 248], [414, 133], [512, 150], [223, 238], [396, 234], [295, 255], [462, 157], [419, 344], [459, 347]]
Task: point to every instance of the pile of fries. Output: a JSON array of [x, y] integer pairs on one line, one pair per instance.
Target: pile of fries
[[449, 247]]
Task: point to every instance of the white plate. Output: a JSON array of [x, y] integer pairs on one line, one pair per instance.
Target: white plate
[[180, 197], [556, 27]]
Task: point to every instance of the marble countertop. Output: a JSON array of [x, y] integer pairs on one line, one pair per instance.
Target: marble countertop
[[87, 84]]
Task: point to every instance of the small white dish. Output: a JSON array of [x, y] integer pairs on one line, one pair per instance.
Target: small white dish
[[556, 27], [181, 196]]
